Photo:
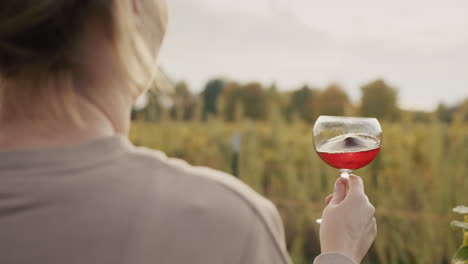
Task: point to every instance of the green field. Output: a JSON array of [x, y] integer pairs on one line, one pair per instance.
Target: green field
[[420, 174]]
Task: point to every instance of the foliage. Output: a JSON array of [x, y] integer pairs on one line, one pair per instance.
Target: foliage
[[417, 178], [153, 111], [333, 101], [379, 100], [251, 97], [444, 113], [210, 94], [184, 103], [462, 111], [304, 101], [232, 100]]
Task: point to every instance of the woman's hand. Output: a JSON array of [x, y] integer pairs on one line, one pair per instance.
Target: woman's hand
[[348, 224]]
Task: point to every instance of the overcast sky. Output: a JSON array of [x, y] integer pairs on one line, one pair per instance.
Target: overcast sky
[[418, 46]]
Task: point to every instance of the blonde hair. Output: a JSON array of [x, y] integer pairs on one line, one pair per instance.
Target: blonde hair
[[38, 41]]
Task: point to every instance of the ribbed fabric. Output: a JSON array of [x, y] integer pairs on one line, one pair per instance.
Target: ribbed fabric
[[332, 258]]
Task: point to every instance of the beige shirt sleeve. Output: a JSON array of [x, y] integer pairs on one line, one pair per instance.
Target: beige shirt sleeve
[[266, 243], [332, 258]]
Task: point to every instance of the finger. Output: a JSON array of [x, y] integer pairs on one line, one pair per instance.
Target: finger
[[355, 184], [373, 228], [345, 182], [371, 222], [340, 193]]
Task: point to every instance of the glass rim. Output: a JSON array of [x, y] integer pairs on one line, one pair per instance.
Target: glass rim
[[347, 117]]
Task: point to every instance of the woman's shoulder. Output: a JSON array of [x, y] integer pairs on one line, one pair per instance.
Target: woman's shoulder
[[206, 190], [198, 202], [195, 180]]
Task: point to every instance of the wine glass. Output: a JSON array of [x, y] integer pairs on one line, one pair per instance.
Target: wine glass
[[347, 143]]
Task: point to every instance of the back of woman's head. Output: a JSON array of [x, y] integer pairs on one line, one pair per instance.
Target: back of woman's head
[[39, 41], [37, 36]]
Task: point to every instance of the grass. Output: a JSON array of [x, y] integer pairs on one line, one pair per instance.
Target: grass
[[420, 174]]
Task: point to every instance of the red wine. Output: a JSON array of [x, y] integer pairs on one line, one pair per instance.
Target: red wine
[[351, 151]]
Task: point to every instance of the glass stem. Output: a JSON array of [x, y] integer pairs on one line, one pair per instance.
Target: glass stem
[[345, 173]]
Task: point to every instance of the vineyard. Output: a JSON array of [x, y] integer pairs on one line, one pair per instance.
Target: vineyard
[[420, 174]]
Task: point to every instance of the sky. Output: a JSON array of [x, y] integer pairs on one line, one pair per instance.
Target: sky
[[418, 46]]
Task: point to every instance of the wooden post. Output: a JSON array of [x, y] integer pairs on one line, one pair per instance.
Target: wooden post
[[236, 139]]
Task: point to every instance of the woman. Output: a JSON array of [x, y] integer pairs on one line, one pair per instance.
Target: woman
[[73, 189]]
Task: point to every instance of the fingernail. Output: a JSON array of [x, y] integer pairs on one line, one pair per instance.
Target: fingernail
[[338, 186]]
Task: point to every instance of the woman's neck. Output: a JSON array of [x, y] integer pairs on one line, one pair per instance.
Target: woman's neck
[[62, 131]]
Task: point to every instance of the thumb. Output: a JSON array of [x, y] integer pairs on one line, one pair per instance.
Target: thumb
[[340, 193]]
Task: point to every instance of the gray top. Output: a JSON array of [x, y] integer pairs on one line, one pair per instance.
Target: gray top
[[107, 201]]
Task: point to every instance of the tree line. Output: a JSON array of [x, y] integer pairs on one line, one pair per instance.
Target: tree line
[[231, 101]]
